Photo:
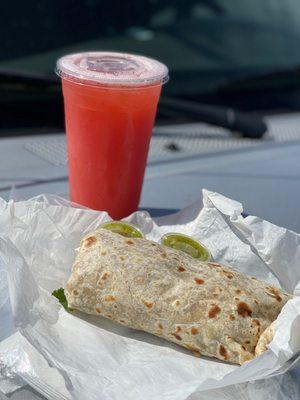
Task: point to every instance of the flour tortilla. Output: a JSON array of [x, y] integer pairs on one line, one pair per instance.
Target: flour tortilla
[[203, 306]]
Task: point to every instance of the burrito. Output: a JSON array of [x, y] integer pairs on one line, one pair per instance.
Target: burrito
[[205, 307]]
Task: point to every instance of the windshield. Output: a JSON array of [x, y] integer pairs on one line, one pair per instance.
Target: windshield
[[206, 44], [234, 54]]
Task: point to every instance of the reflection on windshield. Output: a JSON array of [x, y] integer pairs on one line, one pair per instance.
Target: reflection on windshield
[[205, 43]]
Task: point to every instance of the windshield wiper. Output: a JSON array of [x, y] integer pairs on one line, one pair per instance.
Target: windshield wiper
[[19, 75], [288, 77], [248, 126], [19, 80]]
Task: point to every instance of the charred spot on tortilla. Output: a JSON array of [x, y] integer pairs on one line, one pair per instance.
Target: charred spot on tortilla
[[176, 336], [226, 272], [223, 352], [190, 347], [108, 315], [104, 276], [75, 292], [199, 281], [273, 293], [181, 268], [130, 242], [148, 304], [122, 321], [110, 298], [103, 253], [98, 310], [216, 265], [255, 322], [244, 310], [231, 317], [214, 311], [194, 331], [122, 258], [89, 241], [160, 326], [177, 303], [195, 351], [229, 275], [178, 329], [238, 291], [255, 301], [163, 255]]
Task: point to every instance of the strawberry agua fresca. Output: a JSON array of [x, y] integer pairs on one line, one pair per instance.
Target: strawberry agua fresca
[[110, 105]]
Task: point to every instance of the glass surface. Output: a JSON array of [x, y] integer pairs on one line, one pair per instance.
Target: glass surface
[[213, 40], [218, 51]]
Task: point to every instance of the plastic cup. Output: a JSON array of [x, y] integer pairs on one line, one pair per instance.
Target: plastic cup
[[110, 104]]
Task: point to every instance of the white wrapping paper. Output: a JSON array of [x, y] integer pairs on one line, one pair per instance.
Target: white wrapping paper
[[64, 356]]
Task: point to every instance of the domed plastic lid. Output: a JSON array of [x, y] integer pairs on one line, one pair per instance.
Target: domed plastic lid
[[109, 68]]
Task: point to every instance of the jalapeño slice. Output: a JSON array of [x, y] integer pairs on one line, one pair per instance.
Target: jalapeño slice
[[122, 228], [186, 244]]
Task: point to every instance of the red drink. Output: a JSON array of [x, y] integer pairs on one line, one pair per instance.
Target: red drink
[[110, 110]]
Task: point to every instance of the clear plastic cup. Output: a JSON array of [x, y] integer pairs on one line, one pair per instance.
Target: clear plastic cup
[[110, 105]]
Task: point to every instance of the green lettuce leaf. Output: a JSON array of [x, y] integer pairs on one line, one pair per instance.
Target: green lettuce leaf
[[60, 295]]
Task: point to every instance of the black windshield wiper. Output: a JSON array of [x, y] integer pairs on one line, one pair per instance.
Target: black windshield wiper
[[18, 80], [16, 74], [289, 77], [248, 126]]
